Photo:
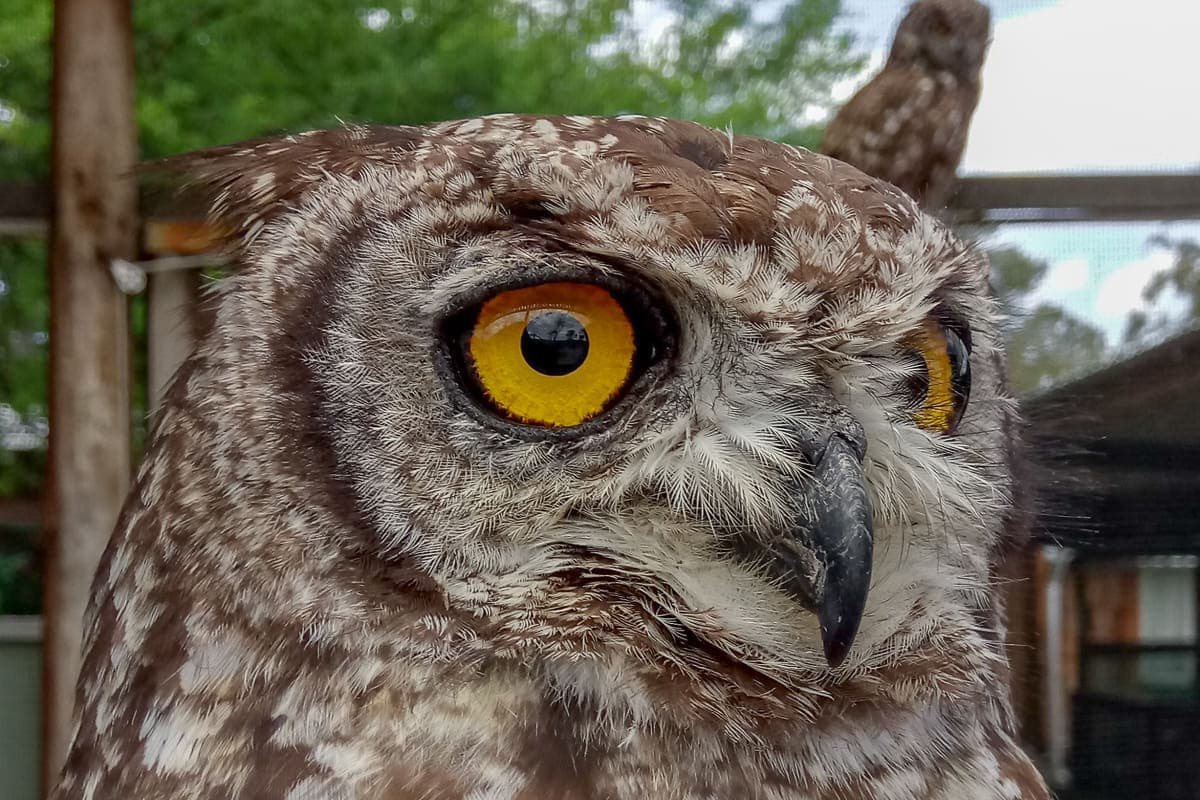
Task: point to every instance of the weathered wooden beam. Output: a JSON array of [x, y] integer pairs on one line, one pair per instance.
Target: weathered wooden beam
[[21, 511], [24, 201], [24, 209], [93, 149], [985, 198], [173, 227], [1075, 198]]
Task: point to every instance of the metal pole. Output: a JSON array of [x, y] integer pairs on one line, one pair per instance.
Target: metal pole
[[1054, 685]]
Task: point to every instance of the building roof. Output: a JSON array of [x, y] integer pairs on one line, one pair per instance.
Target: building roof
[[1119, 454]]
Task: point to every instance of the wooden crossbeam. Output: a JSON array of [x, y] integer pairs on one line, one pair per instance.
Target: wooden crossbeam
[[24, 209], [1076, 198]]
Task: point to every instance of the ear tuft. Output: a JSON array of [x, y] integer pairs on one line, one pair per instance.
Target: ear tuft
[[243, 186]]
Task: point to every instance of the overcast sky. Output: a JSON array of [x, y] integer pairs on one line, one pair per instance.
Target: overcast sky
[[1080, 86], [1083, 85]]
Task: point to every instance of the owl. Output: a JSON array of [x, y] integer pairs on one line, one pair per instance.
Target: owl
[[565, 458], [909, 124]]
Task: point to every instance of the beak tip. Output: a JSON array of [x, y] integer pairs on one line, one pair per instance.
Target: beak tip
[[841, 605], [837, 636]]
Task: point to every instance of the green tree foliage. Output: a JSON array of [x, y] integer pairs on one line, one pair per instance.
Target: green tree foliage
[[20, 589], [25, 316], [1046, 344], [25, 27], [1014, 277], [1050, 345], [1183, 281], [215, 71]]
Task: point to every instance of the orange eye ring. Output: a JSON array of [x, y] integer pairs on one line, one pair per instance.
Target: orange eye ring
[[553, 355], [946, 384]]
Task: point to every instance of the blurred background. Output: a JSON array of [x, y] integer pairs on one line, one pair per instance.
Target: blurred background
[[1081, 177]]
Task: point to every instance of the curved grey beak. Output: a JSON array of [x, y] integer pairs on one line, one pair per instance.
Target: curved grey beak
[[824, 558], [842, 539]]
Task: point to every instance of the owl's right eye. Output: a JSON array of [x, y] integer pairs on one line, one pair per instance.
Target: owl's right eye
[[942, 381], [554, 355]]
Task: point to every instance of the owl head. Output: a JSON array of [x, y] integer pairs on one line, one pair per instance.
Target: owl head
[[612, 399], [945, 35]]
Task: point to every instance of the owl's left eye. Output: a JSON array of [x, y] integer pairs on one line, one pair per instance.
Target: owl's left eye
[[943, 378], [554, 355]]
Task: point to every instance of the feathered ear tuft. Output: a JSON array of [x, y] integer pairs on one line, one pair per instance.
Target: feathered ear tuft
[[242, 186]]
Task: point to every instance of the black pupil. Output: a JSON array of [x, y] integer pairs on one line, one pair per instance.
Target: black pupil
[[960, 363], [554, 343], [960, 373]]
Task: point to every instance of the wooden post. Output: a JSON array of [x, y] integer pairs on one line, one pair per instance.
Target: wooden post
[[93, 150]]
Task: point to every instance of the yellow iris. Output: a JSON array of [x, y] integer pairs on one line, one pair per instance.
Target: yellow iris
[[939, 409], [554, 355]]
